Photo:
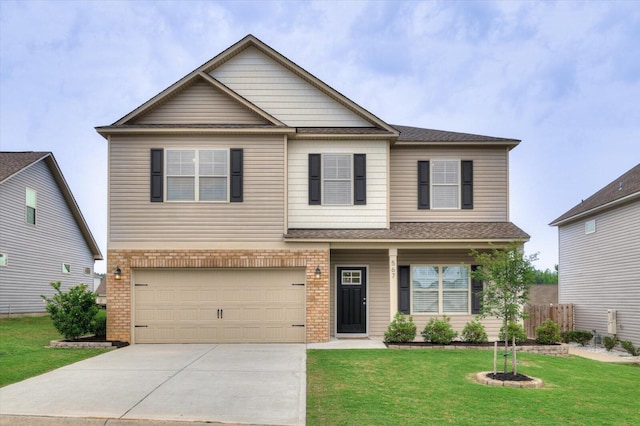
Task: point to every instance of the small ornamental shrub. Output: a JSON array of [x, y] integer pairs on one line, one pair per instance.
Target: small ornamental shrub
[[474, 332], [515, 330], [439, 332], [548, 333], [627, 345], [581, 336], [400, 330], [610, 342], [100, 324], [72, 312]]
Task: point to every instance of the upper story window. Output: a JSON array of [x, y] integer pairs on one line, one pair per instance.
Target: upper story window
[[445, 184], [197, 175], [590, 226], [337, 179], [31, 206]]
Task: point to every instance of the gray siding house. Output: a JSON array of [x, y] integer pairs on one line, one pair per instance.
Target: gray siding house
[[599, 265], [43, 236]]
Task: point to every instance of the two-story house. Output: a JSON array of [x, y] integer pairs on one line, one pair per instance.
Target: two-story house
[[251, 202]]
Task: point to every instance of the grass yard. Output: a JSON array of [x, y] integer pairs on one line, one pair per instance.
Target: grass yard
[[23, 353], [433, 387]]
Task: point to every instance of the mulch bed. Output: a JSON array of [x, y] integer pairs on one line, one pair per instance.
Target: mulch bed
[[116, 343], [509, 377], [528, 342]]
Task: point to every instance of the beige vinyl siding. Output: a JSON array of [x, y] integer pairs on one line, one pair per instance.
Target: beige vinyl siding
[[601, 270], [36, 252], [282, 93], [134, 219], [377, 263], [200, 103], [371, 215], [490, 184], [447, 258]]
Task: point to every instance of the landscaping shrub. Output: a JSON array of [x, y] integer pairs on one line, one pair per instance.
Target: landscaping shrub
[[548, 333], [474, 332], [72, 312], [566, 336], [610, 342], [100, 324], [515, 330], [627, 345], [440, 332], [400, 330], [581, 336]]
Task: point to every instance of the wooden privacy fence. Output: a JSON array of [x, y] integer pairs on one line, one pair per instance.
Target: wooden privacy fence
[[537, 314]]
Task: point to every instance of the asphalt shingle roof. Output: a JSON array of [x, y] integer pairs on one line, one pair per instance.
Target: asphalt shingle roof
[[417, 134], [417, 231], [625, 185], [13, 162]]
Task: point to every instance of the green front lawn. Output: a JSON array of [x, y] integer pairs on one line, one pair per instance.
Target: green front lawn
[[23, 353], [433, 387]]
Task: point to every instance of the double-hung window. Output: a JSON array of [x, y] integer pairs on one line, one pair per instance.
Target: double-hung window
[[30, 206], [440, 289], [337, 179], [445, 184], [197, 174]]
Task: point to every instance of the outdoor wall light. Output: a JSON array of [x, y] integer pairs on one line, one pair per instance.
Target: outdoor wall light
[[117, 274], [318, 272]]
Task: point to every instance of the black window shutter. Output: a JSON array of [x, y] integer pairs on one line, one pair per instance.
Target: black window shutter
[[236, 174], [404, 299], [157, 178], [315, 167], [423, 185], [359, 179], [467, 184], [476, 288]]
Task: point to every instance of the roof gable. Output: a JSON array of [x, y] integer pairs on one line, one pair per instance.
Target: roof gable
[[13, 163], [625, 187]]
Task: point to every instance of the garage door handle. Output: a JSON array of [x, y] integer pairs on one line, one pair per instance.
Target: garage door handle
[[297, 325], [220, 313]]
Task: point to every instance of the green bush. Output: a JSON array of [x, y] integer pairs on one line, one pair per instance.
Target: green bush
[[474, 332], [72, 312], [548, 333], [610, 342], [100, 324], [439, 332], [566, 336], [515, 330], [400, 330], [627, 345], [581, 336]]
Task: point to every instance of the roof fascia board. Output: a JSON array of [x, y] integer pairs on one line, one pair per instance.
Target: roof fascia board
[[110, 130], [345, 136], [25, 167], [73, 206], [334, 241], [510, 144], [595, 210]]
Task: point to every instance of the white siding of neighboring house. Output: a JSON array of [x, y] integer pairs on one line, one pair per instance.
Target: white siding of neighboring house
[[601, 270], [283, 94], [134, 219], [371, 215], [36, 253], [490, 184]]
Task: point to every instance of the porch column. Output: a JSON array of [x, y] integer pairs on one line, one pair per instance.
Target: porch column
[[393, 282]]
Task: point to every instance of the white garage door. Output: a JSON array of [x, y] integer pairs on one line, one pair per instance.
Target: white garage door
[[219, 305]]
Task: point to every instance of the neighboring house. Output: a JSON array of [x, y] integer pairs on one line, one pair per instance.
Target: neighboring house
[[251, 202], [543, 294], [599, 269], [43, 236], [101, 293]]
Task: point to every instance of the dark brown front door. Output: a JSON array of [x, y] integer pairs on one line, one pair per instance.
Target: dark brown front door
[[352, 300]]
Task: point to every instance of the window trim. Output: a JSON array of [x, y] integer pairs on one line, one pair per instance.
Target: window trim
[[441, 289], [196, 175], [432, 183], [34, 207]]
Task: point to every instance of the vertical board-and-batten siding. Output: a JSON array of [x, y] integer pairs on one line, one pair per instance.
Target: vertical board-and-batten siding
[[601, 270], [36, 253], [490, 184], [134, 219], [283, 94], [200, 103], [371, 215]]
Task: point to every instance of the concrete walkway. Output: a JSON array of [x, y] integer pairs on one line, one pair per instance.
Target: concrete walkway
[[603, 357], [348, 344], [245, 384]]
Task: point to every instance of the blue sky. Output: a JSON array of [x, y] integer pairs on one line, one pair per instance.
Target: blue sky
[[564, 77]]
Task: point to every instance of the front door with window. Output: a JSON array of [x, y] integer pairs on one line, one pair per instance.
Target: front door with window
[[352, 300]]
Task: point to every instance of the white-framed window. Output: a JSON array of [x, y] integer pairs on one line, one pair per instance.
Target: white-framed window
[[351, 277], [87, 271], [66, 268], [4, 259], [31, 201], [337, 179], [440, 289], [445, 184], [590, 226], [197, 175]]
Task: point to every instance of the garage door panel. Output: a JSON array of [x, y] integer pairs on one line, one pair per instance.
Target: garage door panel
[[243, 306]]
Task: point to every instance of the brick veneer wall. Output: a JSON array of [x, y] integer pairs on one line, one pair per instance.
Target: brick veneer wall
[[119, 291]]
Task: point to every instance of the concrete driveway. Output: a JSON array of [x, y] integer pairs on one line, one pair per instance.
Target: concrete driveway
[[247, 384]]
